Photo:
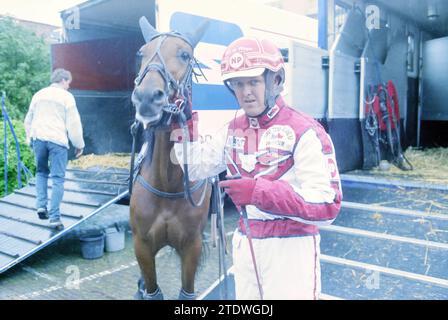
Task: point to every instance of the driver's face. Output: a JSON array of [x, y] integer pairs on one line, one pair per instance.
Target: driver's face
[[249, 92]]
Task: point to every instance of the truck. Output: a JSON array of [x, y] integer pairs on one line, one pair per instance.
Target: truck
[[332, 58]]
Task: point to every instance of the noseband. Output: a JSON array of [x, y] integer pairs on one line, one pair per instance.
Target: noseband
[[181, 88]]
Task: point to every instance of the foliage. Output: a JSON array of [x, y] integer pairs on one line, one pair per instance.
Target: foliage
[[26, 154], [24, 66]]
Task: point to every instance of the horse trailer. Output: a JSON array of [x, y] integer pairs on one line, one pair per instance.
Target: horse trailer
[[337, 57]]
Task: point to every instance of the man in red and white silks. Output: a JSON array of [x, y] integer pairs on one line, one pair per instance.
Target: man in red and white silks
[[289, 181]]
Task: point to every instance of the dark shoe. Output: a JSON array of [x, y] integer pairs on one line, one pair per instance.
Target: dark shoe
[[56, 223], [42, 213]]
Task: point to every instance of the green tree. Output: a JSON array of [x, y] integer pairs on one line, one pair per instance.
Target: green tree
[[24, 66], [26, 154], [24, 69]]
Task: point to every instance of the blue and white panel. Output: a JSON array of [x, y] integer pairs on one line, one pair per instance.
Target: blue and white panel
[[229, 21], [308, 80], [343, 81], [215, 104]]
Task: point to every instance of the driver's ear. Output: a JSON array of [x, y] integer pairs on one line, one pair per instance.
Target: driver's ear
[[277, 80]]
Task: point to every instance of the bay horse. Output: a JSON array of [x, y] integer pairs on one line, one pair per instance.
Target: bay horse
[[160, 214]]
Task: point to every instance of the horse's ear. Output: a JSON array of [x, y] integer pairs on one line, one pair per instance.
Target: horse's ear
[[148, 30], [195, 36]]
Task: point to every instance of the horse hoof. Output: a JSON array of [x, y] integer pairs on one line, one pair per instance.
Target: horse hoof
[[183, 295], [142, 294], [147, 296]]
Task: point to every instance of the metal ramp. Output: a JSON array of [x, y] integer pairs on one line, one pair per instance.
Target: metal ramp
[[87, 192], [389, 242]]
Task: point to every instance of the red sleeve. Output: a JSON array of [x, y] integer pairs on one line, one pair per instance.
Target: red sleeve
[[278, 197]]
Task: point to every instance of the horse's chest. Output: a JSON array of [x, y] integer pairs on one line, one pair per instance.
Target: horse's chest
[[165, 223]]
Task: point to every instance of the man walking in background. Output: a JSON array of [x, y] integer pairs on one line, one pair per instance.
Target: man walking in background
[[52, 120]]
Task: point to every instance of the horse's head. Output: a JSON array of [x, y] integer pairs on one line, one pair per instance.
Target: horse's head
[[163, 84]]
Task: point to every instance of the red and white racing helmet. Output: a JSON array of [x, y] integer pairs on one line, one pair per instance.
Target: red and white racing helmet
[[249, 57]]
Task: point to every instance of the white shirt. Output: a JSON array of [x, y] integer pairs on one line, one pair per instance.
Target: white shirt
[[53, 117]]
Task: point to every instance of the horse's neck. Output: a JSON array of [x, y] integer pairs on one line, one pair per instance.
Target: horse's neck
[[162, 172]]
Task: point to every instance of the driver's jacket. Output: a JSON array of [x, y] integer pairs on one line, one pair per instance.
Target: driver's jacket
[[291, 156]]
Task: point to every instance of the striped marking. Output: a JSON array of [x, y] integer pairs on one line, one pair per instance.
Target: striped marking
[[115, 183], [36, 294], [404, 212], [383, 236], [31, 195], [392, 182], [100, 171], [389, 271], [88, 191], [96, 276]]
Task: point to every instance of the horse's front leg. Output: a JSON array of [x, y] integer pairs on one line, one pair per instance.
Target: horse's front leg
[[190, 255], [147, 287]]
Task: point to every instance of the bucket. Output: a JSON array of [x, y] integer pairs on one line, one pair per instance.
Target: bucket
[[114, 239], [384, 165], [92, 246]]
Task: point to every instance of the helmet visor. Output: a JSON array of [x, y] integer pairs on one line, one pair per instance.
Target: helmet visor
[[255, 72]]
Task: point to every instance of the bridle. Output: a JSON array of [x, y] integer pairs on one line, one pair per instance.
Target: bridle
[[176, 108], [181, 88]]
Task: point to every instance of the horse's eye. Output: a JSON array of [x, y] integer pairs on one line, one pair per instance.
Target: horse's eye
[[138, 61], [185, 56]]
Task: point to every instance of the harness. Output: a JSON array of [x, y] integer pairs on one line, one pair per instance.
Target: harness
[[174, 108], [371, 124], [135, 176], [382, 122], [180, 87]]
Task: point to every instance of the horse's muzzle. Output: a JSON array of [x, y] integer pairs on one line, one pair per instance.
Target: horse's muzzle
[[148, 106], [148, 115], [148, 97], [148, 121]]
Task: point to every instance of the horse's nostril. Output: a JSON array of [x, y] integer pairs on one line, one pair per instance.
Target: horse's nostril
[[158, 95]]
